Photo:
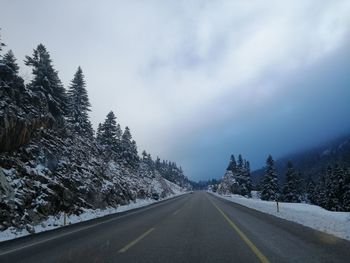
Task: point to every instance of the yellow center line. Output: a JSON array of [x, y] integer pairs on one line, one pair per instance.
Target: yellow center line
[[176, 212], [250, 244], [134, 242]]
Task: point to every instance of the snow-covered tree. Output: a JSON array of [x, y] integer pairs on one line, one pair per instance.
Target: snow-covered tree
[[232, 164], [99, 133], [346, 194], [9, 72], [248, 179], [269, 184], [320, 195], [334, 189], [79, 105], [10, 61], [147, 159], [290, 190], [129, 149], [46, 81], [107, 135], [1, 44], [240, 161], [236, 178]]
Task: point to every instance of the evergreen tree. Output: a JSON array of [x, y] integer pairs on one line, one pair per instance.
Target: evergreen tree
[[320, 195], [249, 184], [147, 158], [99, 134], [269, 182], [126, 137], [129, 149], [237, 178], [335, 188], [240, 161], [157, 163], [46, 81], [346, 194], [290, 191], [1, 44], [310, 190], [107, 135], [10, 61], [9, 73], [79, 105], [118, 133], [232, 164]]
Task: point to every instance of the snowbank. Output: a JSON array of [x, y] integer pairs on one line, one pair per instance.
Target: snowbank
[[57, 221], [335, 223]]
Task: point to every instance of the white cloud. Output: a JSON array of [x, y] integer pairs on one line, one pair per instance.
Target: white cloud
[[166, 65]]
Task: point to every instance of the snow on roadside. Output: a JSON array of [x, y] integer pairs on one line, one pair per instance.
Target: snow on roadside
[[57, 221], [335, 223]]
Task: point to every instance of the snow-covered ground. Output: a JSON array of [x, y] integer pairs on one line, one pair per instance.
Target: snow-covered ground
[[57, 221], [335, 223]]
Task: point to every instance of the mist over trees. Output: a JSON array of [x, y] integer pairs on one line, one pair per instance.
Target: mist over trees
[[330, 189]]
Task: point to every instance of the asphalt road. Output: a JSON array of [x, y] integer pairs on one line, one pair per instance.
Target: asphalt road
[[192, 228]]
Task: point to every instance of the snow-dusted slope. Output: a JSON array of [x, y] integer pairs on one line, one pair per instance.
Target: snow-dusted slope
[[335, 223], [50, 161], [57, 221]]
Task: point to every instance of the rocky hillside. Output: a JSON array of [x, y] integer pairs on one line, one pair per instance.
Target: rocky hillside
[[50, 160]]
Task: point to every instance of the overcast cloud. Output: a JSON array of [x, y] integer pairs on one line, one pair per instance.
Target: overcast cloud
[[197, 80]]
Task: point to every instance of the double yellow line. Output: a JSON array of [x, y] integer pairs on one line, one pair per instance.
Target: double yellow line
[[250, 244]]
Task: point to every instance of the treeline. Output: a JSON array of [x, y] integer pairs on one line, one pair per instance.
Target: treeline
[[237, 178], [45, 95], [331, 190]]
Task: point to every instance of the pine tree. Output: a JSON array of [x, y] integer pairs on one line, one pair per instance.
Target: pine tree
[[232, 164], [237, 177], [99, 134], [320, 195], [335, 188], [46, 81], [10, 61], [157, 163], [107, 135], [129, 149], [240, 161], [290, 191], [310, 190], [269, 182], [1, 44], [249, 184], [79, 105], [9, 72], [118, 132], [346, 194]]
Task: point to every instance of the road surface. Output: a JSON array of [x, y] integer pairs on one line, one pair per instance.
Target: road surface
[[196, 227]]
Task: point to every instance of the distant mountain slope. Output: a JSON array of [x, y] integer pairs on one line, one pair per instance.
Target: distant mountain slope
[[312, 162]]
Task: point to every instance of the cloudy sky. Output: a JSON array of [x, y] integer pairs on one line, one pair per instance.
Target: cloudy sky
[[198, 80]]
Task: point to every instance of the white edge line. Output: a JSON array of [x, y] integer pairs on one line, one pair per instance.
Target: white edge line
[[88, 227]]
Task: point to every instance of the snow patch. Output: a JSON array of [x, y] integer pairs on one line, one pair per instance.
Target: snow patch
[[57, 221], [335, 223]]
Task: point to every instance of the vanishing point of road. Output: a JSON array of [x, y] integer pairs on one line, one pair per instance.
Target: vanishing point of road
[[196, 227]]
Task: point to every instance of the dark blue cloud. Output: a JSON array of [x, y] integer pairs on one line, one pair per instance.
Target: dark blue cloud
[[311, 107]]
